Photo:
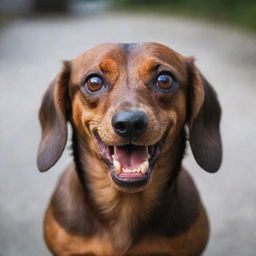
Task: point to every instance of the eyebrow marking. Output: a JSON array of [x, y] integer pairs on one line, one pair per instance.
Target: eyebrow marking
[[108, 65], [110, 68], [149, 66], [154, 65]]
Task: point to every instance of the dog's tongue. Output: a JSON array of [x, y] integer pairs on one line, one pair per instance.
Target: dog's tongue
[[130, 156]]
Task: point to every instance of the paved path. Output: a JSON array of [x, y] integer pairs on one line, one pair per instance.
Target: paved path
[[30, 55]]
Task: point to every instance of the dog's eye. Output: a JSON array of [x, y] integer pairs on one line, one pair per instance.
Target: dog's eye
[[94, 84], [164, 82]]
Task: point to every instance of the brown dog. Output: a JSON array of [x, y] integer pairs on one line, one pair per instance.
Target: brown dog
[[125, 192]]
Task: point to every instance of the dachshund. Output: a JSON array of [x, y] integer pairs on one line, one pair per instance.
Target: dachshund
[[131, 108]]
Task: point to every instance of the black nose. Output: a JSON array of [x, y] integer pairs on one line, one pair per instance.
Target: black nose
[[130, 124]]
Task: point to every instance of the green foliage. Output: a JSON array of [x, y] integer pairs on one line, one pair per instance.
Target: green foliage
[[240, 12]]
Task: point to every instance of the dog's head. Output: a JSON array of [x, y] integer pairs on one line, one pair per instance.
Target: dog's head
[[129, 102]]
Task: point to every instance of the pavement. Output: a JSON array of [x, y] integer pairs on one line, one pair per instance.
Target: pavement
[[31, 51]]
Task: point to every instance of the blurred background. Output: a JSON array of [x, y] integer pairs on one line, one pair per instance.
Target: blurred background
[[36, 35]]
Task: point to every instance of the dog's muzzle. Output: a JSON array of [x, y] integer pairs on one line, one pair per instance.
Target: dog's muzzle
[[130, 165]]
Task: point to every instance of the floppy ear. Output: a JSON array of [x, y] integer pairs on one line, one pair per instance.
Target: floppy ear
[[204, 122], [53, 119]]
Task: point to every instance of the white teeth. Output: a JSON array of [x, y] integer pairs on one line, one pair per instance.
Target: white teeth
[[127, 170], [117, 166], [144, 167]]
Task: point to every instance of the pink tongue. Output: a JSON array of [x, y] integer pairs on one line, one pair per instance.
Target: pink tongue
[[130, 156]]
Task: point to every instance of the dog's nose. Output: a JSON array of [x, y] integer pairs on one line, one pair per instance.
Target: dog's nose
[[130, 124]]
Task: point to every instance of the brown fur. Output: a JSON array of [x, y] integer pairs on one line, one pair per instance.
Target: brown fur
[[89, 214]]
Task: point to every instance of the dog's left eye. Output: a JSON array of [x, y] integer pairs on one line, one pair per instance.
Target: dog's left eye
[[165, 82], [94, 84]]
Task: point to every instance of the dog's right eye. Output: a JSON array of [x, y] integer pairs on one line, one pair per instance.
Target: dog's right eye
[[93, 84]]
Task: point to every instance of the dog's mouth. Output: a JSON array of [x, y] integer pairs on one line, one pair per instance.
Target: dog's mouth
[[130, 165]]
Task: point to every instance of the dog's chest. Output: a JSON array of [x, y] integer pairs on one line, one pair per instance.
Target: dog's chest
[[104, 245]]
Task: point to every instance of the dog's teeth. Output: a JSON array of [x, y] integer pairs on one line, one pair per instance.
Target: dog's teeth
[[141, 169], [144, 167], [117, 166], [129, 170]]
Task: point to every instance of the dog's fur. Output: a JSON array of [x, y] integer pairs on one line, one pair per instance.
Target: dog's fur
[[91, 215]]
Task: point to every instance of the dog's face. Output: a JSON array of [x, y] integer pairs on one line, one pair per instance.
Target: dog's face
[[129, 102]]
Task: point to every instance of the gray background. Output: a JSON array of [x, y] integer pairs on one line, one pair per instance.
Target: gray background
[[31, 51]]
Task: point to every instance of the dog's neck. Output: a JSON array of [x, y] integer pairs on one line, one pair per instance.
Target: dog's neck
[[122, 212]]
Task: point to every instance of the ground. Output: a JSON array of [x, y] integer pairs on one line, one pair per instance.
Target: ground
[[31, 51]]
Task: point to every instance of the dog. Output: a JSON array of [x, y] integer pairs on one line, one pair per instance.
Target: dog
[[131, 108]]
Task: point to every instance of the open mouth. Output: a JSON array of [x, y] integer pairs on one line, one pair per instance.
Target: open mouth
[[130, 165]]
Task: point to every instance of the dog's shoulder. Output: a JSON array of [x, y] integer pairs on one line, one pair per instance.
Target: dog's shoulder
[[70, 207]]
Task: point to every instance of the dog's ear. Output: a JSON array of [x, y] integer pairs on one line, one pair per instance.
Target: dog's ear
[[53, 119], [204, 121]]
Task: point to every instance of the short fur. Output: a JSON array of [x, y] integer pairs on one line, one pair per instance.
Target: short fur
[[89, 214]]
